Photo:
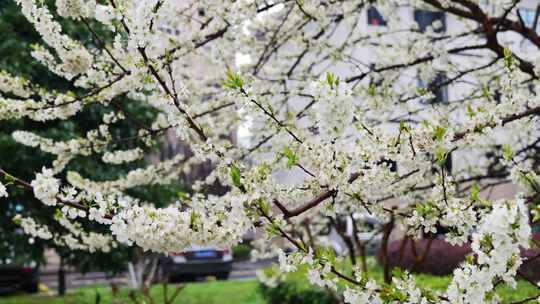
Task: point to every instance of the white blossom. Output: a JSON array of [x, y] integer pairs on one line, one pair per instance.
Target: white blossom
[[335, 115], [46, 187], [76, 8], [118, 157], [30, 227], [3, 191]]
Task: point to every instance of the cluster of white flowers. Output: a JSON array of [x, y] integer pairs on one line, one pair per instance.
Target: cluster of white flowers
[[30, 227], [96, 241], [46, 187], [3, 191], [91, 242], [75, 59], [15, 85], [333, 111], [333, 133], [404, 290], [125, 156], [496, 245], [368, 295], [76, 8], [217, 221]]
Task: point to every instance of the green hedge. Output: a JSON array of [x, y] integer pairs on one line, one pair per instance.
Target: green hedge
[[241, 252], [296, 289], [290, 292]]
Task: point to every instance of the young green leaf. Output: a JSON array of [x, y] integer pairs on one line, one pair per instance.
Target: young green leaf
[[292, 159], [508, 153], [183, 196], [403, 126], [194, 220], [236, 177], [17, 220], [508, 58], [233, 81], [264, 206], [330, 79], [475, 193], [441, 154], [438, 133]]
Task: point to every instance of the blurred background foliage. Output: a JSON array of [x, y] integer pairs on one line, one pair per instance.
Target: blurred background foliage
[[16, 39]]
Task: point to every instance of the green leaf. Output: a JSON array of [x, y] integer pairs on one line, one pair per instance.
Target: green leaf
[[183, 196], [470, 111], [273, 229], [508, 58], [302, 247], [441, 154], [391, 294], [422, 91], [536, 217], [9, 178], [426, 209], [236, 177], [403, 126], [475, 192], [490, 295], [438, 133], [265, 207], [325, 254], [292, 159], [486, 243], [372, 90], [430, 295], [357, 196], [17, 220], [271, 109], [58, 214], [398, 273], [507, 152], [485, 92], [194, 220], [233, 81], [330, 79]]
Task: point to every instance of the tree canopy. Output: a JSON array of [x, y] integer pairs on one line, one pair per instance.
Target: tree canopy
[[408, 111]]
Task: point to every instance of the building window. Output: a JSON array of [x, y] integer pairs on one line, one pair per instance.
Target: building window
[[375, 18], [528, 16], [438, 87], [426, 18]]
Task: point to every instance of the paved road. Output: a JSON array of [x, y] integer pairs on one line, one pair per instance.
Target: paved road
[[247, 270], [241, 271]]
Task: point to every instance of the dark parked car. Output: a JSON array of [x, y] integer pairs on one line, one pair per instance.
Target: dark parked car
[[16, 278], [196, 263]]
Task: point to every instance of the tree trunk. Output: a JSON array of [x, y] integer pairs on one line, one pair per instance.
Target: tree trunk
[[61, 278], [142, 270], [384, 250]]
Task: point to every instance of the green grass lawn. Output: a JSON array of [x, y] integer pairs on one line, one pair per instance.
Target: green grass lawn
[[437, 283], [229, 292], [217, 292]]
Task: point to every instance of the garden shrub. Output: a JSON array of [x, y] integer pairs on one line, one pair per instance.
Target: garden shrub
[[296, 292], [241, 252]]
